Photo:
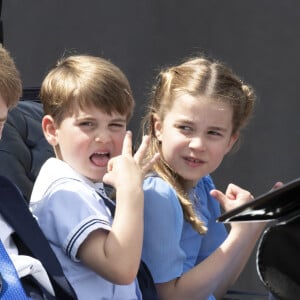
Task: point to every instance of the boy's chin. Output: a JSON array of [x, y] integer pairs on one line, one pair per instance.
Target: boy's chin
[[99, 179], [95, 178]]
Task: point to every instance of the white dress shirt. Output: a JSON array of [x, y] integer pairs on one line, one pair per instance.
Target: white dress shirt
[[25, 265]]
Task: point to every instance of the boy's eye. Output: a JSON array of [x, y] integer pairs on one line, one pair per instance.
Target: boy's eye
[[117, 126], [86, 124]]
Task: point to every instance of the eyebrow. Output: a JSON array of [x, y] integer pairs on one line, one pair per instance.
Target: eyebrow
[[3, 119], [91, 118], [189, 122], [119, 120], [218, 128]]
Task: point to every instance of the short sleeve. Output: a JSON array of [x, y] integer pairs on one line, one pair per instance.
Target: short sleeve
[[163, 228], [69, 214], [210, 207]]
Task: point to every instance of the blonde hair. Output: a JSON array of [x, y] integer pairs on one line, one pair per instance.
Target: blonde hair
[[83, 80], [197, 77], [10, 79]]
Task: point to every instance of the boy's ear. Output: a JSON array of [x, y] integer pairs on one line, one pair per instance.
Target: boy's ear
[[49, 128]]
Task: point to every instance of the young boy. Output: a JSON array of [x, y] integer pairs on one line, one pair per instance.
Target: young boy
[[87, 103]]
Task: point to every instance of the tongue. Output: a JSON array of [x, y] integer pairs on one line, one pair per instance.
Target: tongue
[[100, 160]]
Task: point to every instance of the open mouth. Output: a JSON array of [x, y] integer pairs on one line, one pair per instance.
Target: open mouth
[[193, 161], [100, 159]]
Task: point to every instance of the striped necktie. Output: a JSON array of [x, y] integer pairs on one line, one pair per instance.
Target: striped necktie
[[10, 284]]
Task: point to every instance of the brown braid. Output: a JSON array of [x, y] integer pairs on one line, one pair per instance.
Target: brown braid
[[196, 77]]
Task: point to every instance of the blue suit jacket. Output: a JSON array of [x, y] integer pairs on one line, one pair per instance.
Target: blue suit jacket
[[30, 239]]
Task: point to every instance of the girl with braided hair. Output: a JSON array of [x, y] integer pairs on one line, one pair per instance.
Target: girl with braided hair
[[195, 116]]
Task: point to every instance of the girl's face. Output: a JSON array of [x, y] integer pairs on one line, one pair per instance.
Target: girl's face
[[195, 135], [87, 140]]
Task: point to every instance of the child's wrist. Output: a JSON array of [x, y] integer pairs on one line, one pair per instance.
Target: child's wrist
[[127, 190]]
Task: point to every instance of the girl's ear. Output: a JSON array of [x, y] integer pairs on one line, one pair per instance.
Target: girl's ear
[[157, 127], [232, 141], [49, 128]]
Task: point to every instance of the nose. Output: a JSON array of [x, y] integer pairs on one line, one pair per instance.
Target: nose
[[102, 136], [197, 143]]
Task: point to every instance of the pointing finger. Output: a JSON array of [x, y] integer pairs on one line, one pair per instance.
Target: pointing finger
[[140, 153], [127, 144]]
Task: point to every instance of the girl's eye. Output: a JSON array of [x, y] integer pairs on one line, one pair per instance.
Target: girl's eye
[[184, 128], [216, 133]]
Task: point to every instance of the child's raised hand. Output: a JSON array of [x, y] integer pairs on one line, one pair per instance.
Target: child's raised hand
[[140, 154], [128, 168], [235, 196]]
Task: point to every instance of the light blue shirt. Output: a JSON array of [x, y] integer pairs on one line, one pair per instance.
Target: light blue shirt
[[171, 246], [68, 208]]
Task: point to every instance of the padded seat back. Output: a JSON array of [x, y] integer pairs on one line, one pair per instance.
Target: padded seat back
[[23, 147]]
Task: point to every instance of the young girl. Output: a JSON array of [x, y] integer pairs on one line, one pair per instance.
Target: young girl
[[197, 111]]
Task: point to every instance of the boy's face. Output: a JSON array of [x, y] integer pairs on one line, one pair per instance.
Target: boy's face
[[3, 114], [87, 140]]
